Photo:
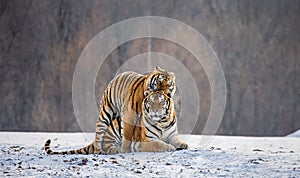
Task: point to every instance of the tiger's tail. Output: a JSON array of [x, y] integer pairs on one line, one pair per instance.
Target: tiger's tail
[[85, 150]]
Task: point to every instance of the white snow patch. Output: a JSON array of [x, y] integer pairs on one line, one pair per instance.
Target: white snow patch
[[21, 154], [294, 134]]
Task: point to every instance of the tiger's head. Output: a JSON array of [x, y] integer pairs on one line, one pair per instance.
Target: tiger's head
[[161, 80], [158, 107]]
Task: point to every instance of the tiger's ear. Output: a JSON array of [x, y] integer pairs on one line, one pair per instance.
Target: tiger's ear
[[158, 69], [146, 93], [172, 74]]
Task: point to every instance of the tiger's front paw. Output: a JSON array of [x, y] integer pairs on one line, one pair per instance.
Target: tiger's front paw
[[182, 146], [169, 147]]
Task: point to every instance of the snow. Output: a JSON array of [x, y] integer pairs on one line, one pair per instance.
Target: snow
[[21, 154], [295, 134]]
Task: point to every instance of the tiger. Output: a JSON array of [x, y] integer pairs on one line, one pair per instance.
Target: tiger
[[154, 131], [122, 103]]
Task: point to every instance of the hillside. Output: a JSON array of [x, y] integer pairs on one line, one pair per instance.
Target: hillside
[[257, 43]]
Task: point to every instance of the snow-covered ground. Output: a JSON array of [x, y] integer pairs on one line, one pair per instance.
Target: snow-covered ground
[[21, 154]]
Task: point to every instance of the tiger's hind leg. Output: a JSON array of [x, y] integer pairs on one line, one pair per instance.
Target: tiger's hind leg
[[112, 139], [101, 127], [105, 119]]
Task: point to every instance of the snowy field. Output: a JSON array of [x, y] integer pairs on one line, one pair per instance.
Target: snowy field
[[21, 155]]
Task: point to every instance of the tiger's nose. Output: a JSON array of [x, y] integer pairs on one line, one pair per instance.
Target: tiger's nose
[[155, 110]]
